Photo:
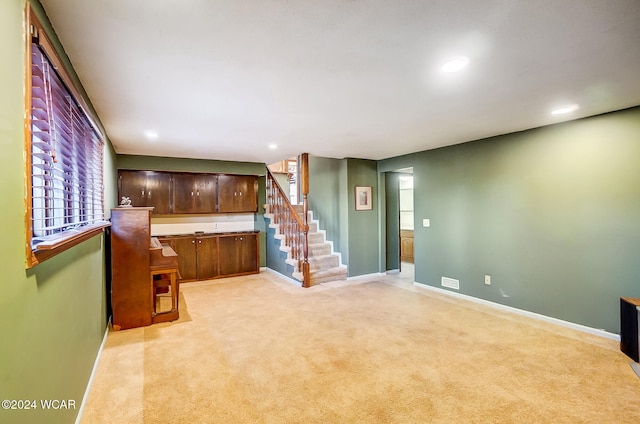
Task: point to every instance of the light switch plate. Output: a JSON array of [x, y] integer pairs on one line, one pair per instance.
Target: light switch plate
[[426, 222]]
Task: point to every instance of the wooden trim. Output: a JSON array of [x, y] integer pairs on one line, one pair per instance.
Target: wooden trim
[[31, 260], [46, 250], [304, 172]]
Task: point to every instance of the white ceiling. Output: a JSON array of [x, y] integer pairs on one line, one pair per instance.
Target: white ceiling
[[223, 79]]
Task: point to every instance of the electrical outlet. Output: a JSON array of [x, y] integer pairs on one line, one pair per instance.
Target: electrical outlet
[[487, 280], [215, 225]]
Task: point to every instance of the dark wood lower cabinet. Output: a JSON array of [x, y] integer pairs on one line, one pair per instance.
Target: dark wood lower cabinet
[[238, 253], [214, 256], [207, 249], [185, 247]]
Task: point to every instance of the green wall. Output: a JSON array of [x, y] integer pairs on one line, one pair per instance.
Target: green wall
[[552, 214], [156, 163], [326, 199], [354, 233], [363, 224], [52, 317]]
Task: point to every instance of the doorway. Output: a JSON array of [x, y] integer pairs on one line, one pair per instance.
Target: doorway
[[400, 223], [406, 218]]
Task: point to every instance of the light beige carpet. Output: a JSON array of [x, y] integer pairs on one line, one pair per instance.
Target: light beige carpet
[[259, 350]]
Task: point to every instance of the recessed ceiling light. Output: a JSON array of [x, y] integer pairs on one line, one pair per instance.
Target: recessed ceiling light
[[565, 109], [151, 135], [455, 64], [273, 146]]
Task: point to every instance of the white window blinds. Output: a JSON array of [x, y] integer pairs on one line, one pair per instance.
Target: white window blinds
[[66, 156]]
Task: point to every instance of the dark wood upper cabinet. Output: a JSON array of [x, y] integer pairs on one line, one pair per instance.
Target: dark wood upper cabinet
[[237, 193], [146, 189], [194, 193], [189, 193]]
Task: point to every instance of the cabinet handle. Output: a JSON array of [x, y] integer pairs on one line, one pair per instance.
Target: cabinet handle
[[199, 241], [149, 194], [192, 194], [198, 193], [193, 242], [142, 193]]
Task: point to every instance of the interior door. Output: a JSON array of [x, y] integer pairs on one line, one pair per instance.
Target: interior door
[[392, 193]]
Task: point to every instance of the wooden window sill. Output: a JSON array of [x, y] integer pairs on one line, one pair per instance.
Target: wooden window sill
[[50, 248]]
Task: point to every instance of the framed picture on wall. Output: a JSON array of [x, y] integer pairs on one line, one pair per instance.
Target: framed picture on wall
[[363, 199]]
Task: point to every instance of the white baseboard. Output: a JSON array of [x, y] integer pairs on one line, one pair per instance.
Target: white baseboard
[[364, 276], [284, 277], [572, 325], [93, 374]]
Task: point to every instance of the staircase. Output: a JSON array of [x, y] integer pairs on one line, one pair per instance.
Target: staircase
[[324, 264]]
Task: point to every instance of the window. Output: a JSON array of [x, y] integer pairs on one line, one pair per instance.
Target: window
[[65, 158]]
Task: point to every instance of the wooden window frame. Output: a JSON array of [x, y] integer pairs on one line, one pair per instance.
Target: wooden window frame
[[64, 240]]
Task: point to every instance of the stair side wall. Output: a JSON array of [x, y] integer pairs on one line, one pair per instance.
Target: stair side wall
[[276, 257]]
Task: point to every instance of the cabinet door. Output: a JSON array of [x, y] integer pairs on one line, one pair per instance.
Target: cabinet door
[[250, 253], [207, 257], [406, 246], [146, 188], [238, 254], [206, 199], [133, 184], [184, 193], [185, 247], [159, 191], [230, 255], [194, 193], [237, 193]]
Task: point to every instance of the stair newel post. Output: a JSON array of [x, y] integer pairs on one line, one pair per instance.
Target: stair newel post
[[304, 165]]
